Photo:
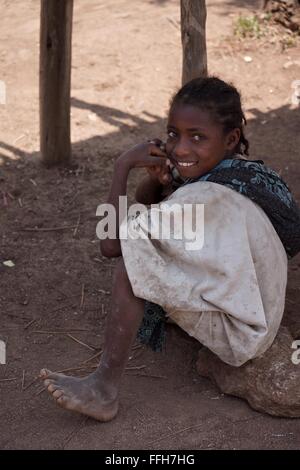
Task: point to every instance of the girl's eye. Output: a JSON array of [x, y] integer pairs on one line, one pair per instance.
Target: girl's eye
[[197, 137], [171, 134]]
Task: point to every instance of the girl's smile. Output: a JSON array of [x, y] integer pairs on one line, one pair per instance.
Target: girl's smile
[[196, 143], [185, 164]]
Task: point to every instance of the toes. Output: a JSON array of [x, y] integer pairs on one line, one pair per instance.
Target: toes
[[45, 373], [53, 387], [57, 393], [47, 382], [62, 401]]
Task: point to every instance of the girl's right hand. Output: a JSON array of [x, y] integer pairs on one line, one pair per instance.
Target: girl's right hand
[[150, 155], [161, 173]]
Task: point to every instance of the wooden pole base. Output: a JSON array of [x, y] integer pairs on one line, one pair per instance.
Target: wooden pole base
[[193, 36], [55, 80]]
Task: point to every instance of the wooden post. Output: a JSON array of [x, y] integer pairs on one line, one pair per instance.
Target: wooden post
[[55, 80], [193, 22]]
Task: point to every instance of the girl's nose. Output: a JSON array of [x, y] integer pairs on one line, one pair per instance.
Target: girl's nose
[[181, 148]]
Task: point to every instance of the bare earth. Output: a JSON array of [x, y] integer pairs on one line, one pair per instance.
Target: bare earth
[[126, 65]]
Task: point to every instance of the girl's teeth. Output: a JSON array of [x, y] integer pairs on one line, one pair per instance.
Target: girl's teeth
[[185, 164]]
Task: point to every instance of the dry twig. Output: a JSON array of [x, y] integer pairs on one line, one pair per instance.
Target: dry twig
[[23, 380], [31, 383], [29, 324], [77, 226], [82, 296], [81, 342], [93, 357], [174, 433], [46, 229]]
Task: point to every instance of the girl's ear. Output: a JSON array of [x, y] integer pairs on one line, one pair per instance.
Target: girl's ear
[[233, 138]]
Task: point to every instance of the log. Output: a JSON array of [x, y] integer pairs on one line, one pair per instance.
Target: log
[[193, 37], [55, 80]]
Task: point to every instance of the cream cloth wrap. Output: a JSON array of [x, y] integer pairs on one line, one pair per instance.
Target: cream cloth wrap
[[230, 294]]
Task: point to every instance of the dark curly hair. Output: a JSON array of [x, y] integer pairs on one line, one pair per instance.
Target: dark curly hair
[[221, 99]]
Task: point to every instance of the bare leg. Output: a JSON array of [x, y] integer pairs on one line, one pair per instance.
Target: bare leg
[[97, 394]]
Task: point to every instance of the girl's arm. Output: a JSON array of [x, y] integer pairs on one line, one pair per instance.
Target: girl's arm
[[111, 247], [157, 184], [140, 156]]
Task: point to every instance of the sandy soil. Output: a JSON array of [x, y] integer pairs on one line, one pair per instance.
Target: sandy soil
[[126, 65]]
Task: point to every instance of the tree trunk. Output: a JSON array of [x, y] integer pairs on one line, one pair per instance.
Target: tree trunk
[[193, 21], [55, 80]]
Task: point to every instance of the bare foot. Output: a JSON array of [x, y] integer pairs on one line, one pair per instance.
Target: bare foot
[[84, 395]]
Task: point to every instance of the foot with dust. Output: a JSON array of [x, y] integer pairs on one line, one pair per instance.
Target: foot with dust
[[85, 395]]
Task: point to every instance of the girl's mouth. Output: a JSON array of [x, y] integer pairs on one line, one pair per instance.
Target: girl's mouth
[[184, 164]]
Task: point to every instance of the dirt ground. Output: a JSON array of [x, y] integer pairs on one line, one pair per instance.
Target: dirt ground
[[126, 65]]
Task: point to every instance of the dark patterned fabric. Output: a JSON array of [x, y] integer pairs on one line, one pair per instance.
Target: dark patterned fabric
[[264, 187], [152, 331]]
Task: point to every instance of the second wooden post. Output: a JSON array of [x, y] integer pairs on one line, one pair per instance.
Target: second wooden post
[[193, 36]]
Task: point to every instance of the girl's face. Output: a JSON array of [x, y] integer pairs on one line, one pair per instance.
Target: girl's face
[[195, 142]]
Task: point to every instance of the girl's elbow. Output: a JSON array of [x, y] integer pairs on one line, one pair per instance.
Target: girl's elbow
[[110, 250]]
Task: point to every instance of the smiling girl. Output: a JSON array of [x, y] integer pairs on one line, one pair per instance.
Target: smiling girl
[[229, 294]]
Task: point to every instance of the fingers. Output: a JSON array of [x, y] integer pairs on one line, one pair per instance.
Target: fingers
[[165, 178], [156, 170], [157, 152], [157, 142], [160, 172], [157, 160], [161, 164], [157, 147]]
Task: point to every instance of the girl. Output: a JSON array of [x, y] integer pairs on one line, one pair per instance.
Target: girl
[[230, 293]]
